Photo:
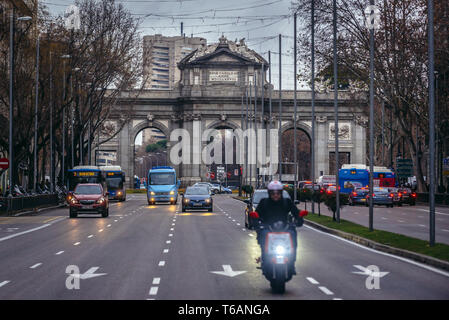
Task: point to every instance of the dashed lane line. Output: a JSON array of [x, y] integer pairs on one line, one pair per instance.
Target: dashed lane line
[[165, 250], [161, 263], [4, 283], [312, 280], [36, 265], [59, 252], [156, 280], [326, 290], [76, 243], [153, 291]]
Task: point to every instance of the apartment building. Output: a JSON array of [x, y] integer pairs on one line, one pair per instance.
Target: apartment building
[[161, 55]]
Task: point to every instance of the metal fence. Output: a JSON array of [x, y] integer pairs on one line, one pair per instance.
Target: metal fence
[[27, 202]]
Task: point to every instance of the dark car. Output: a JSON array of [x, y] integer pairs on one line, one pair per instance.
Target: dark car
[[88, 198], [357, 196], [381, 196], [397, 196], [197, 197], [408, 196], [252, 203]]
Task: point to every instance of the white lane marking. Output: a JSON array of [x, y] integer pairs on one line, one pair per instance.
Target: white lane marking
[[76, 243], [168, 241], [250, 235], [90, 236], [171, 229], [170, 235], [400, 220], [115, 220], [153, 291], [161, 263], [243, 229], [101, 230], [233, 220], [238, 224], [108, 225], [165, 250], [421, 225], [446, 274], [337, 299], [24, 232], [326, 290], [445, 230], [172, 224], [427, 211], [4, 283], [60, 252], [36, 265], [312, 280], [156, 280], [383, 218]]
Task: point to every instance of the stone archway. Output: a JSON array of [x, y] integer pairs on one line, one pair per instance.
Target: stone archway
[[146, 159], [304, 150]]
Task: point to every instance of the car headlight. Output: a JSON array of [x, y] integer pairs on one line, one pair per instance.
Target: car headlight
[[172, 192], [207, 200], [186, 200], [74, 201], [280, 250], [100, 201], [119, 193], [152, 193]]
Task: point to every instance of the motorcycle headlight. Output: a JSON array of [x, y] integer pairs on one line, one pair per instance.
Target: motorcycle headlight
[[280, 250], [172, 192], [100, 201]]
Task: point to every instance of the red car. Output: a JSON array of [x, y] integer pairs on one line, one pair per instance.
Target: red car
[[89, 198]]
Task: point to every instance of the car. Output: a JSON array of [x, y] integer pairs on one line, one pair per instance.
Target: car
[[226, 190], [212, 189], [358, 196], [381, 196], [408, 196], [89, 198], [197, 197], [252, 203], [397, 196]]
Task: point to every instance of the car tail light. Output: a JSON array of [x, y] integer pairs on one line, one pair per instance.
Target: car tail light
[[400, 194], [414, 195], [303, 213], [391, 195], [354, 194], [254, 215]]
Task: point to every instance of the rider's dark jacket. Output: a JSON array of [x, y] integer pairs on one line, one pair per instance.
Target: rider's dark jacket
[[271, 211]]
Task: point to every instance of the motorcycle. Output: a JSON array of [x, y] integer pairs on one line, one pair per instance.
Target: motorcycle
[[278, 254]]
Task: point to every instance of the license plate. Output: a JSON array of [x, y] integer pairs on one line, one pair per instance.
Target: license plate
[[88, 207], [197, 204]]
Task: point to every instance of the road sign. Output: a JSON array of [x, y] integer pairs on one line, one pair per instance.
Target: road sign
[[229, 174], [4, 163], [212, 175], [404, 168], [236, 172], [446, 166]]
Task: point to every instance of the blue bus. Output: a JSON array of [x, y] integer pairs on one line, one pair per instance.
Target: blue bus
[[350, 178], [162, 185], [115, 181], [84, 174]]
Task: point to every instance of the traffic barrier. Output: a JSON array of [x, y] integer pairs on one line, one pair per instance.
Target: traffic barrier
[[27, 202]]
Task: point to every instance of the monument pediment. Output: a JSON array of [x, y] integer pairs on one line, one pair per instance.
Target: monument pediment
[[223, 52]]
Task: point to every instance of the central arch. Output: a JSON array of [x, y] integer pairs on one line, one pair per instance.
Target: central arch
[[304, 150]]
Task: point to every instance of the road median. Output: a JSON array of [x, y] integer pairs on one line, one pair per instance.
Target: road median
[[393, 243]]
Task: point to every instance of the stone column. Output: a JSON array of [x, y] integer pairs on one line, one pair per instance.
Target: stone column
[[321, 147]]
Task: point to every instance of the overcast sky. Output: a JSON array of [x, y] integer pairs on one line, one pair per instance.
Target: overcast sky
[[258, 21]]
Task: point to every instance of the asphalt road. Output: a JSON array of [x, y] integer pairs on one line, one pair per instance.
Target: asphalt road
[[156, 252], [412, 221]]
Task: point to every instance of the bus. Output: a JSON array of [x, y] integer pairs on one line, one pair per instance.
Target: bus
[[383, 177], [352, 176], [162, 185], [84, 174], [115, 182]]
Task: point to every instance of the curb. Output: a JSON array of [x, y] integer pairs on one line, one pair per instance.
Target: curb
[[382, 247], [37, 210]]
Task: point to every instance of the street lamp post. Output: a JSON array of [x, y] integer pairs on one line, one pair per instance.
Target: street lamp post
[[11, 95], [371, 122], [337, 164], [35, 114], [64, 97]]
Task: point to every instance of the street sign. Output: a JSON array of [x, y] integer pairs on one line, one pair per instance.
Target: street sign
[[212, 175], [236, 172], [229, 174], [404, 168], [4, 163], [446, 166]]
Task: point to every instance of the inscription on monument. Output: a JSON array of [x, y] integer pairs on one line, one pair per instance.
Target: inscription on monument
[[223, 76]]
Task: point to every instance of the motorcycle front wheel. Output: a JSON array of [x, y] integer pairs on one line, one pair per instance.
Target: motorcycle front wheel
[[277, 286]]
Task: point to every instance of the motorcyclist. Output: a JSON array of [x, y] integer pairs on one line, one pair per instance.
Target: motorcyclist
[[276, 208]]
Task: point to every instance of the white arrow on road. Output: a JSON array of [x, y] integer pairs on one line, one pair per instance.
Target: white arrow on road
[[89, 274], [227, 271], [369, 272]]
